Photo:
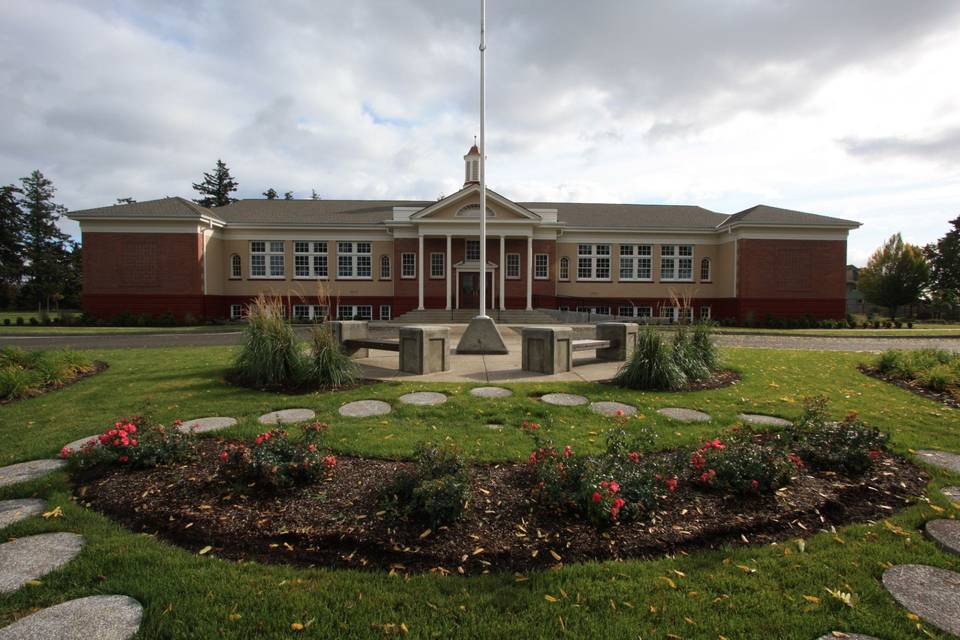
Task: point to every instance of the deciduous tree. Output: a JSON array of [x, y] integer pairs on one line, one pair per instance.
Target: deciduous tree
[[896, 274]]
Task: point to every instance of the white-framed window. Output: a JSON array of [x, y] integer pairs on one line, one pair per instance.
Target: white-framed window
[[636, 262], [408, 265], [310, 259], [513, 266], [705, 312], [593, 262], [541, 266], [472, 251], [565, 268], [354, 312], [354, 261], [668, 313], [385, 272], [235, 270], [687, 314], [705, 271], [602, 311], [236, 311], [563, 308], [309, 311], [266, 259], [436, 265], [676, 262], [385, 312], [636, 312]]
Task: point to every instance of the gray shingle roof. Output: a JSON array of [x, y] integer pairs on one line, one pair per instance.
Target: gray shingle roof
[[764, 214], [170, 207], [632, 216], [261, 211]]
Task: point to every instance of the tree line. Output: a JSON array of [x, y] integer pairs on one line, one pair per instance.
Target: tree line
[[216, 187]]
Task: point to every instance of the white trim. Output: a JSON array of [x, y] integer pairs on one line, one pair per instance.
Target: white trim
[[506, 268], [414, 275], [546, 264], [443, 261]]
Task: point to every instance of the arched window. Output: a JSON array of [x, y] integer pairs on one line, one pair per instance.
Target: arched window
[[564, 268], [235, 266], [385, 267], [705, 270]]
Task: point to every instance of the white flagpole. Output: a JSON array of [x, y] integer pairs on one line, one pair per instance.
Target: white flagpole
[[483, 169]]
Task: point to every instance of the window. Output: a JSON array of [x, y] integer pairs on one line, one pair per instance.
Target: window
[[385, 267], [473, 250], [309, 311], [436, 265], [473, 210], [597, 311], [636, 312], [636, 262], [676, 262], [593, 262], [354, 312], [235, 271], [541, 266], [687, 314], [408, 265], [266, 259], [236, 311], [385, 312], [565, 268], [354, 261], [705, 271], [513, 266], [704, 312], [309, 259], [564, 308], [668, 313]]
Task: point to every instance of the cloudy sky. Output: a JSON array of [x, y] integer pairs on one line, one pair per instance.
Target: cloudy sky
[[849, 108]]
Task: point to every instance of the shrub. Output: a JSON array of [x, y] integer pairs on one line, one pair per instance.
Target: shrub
[[135, 442], [740, 466], [849, 447], [328, 365], [6, 322], [687, 356], [934, 369], [652, 365], [25, 373], [435, 490], [271, 355], [273, 461], [20, 320], [939, 377]]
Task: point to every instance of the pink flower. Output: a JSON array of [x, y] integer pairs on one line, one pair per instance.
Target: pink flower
[[259, 440], [874, 454], [533, 457], [634, 456], [671, 484], [64, 453], [123, 459], [614, 487], [311, 447], [604, 484], [330, 461], [754, 484], [224, 456], [596, 497], [619, 502], [619, 412], [567, 451], [177, 422]]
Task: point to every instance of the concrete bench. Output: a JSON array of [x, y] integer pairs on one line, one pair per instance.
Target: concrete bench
[[422, 349], [550, 349]]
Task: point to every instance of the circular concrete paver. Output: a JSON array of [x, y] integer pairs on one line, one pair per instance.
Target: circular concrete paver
[[26, 559], [25, 471], [613, 408], [365, 409], [287, 416], [931, 593], [942, 459], [684, 415], [491, 392], [99, 617], [953, 493], [423, 398], [845, 636], [495, 427], [564, 399], [204, 425], [77, 444], [946, 533], [16, 510], [770, 421]]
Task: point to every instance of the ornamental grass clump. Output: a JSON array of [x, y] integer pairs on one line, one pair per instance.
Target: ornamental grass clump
[[135, 442], [688, 356], [435, 491], [28, 373], [271, 355], [274, 461], [327, 364], [652, 365]]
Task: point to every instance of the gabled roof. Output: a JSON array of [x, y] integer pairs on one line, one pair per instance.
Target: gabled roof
[[170, 207], [268, 212], [632, 216], [762, 214], [468, 191]]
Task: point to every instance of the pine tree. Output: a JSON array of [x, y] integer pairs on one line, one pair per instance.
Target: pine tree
[[11, 244], [270, 194], [288, 195], [216, 187], [314, 195], [127, 200], [45, 256]]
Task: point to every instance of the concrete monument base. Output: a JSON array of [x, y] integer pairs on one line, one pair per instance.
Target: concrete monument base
[[482, 337]]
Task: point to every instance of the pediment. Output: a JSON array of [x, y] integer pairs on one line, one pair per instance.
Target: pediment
[[465, 205]]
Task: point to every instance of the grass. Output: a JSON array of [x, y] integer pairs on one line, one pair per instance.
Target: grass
[[919, 330], [55, 330], [737, 592]]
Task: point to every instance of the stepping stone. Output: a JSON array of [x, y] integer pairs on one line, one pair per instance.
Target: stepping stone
[[494, 427], [931, 593], [16, 510], [25, 471], [287, 416], [365, 409], [684, 415], [76, 445], [564, 399], [770, 421], [942, 459], [99, 617], [953, 493], [491, 392], [204, 425], [611, 408], [423, 398], [831, 636], [27, 559], [946, 532]]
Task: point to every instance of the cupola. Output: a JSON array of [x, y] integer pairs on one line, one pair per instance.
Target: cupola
[[471, 174]]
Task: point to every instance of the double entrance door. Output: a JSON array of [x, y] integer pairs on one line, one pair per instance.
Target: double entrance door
[[469, 290]]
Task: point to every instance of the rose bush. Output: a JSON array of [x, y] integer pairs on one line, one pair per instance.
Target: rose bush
[[274, 461], [136, 441], [435, 490], [848, 446]]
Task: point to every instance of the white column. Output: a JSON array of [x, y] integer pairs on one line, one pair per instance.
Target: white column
[[530, 272], [449, 268], [419, 273], [503, 271]]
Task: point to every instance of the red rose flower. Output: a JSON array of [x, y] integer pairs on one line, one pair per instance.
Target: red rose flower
[[224, 456], [754, 484], [614, 487], [330, 461], [567, 451], [596, 497], [634, 456], [874, 454], [671, 484]]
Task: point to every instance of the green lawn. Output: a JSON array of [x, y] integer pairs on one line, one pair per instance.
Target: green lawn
[[742, 592], [919, 330]]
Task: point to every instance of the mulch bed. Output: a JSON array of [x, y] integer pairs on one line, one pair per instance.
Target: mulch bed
[[945, 398], [339, 522], [98, 367]]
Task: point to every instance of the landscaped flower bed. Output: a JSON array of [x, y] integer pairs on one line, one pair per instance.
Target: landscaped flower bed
[[25, 374], [929, 372]]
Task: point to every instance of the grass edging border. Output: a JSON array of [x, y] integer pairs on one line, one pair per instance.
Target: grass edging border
[[99, 366], [944, 398]]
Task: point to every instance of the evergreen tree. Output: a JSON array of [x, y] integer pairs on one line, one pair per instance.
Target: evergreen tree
[[314, 195], [46, 259], [896, 274], [127, 200], [216, 187], [944, 259], [270, 194], [288, 195], [11, 244]]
